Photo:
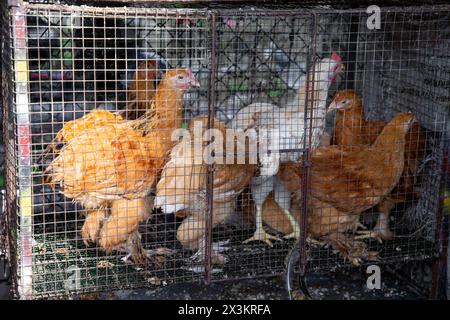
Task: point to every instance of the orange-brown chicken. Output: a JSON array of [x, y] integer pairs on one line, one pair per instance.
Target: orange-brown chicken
[[183, 186], [142, 89], [109, 164], [352, 130], [344, 182]]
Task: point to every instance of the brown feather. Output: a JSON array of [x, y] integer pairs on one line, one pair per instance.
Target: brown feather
[[142, 89]]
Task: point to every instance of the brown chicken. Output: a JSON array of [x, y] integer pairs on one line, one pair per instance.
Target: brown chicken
[[183, 185], [352, 130], [344, 182], [142, 89], [109, 165]]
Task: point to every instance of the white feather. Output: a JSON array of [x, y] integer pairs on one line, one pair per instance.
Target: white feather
[[283, 129]]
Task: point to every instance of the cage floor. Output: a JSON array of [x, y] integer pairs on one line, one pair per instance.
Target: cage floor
[[64, 267], [348, 284], [56, 260]]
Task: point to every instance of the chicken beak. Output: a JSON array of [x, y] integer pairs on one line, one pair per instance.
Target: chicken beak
[[332, 106], [194, 83]]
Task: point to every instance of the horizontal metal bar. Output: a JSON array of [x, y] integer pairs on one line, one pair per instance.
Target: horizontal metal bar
[[256, 10]]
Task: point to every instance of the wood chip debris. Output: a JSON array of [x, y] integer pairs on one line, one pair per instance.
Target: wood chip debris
[[62, 250], [105, 264]]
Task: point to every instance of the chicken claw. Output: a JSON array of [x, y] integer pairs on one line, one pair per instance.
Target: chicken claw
[[314, 242], [216, 257], [292, 235], [262, 235], [378, 235], [359, 225], [136, 253], [161, 251], [354, 251], [381, 231]]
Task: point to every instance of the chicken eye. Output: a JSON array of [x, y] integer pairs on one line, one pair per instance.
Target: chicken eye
[[180, 77]]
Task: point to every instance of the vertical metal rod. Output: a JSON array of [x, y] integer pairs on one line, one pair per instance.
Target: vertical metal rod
[[352, 57], [10, 215], [309, 105], [24, 149], [439, 248], [210, 178]]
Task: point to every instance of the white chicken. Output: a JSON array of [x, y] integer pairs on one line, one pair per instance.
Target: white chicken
[[281, 133]]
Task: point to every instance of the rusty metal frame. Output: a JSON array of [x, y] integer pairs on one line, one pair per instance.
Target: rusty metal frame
[[441, 237], [24, 165], [210, 177], [309, 103], [10, 214]]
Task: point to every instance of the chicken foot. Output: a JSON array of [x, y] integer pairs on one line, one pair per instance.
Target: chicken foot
[[135, 252], [381, 231], [261, 187], [354, 251], [216, 256], [261, 234]]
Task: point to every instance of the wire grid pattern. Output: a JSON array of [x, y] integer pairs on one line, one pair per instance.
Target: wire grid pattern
[[2, 149], [403, 67], [78, 61], [264, 58], [85, 58], [11, 230], [416, 42]]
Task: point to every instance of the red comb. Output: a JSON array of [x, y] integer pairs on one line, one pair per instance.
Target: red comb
[[336, 57]]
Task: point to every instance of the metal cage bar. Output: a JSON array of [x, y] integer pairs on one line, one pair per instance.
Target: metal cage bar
[[210, 178], [69, 60], [308, 132], [24, 164]]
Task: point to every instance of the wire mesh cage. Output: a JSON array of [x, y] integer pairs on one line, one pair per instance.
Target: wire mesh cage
[[147, 146]]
